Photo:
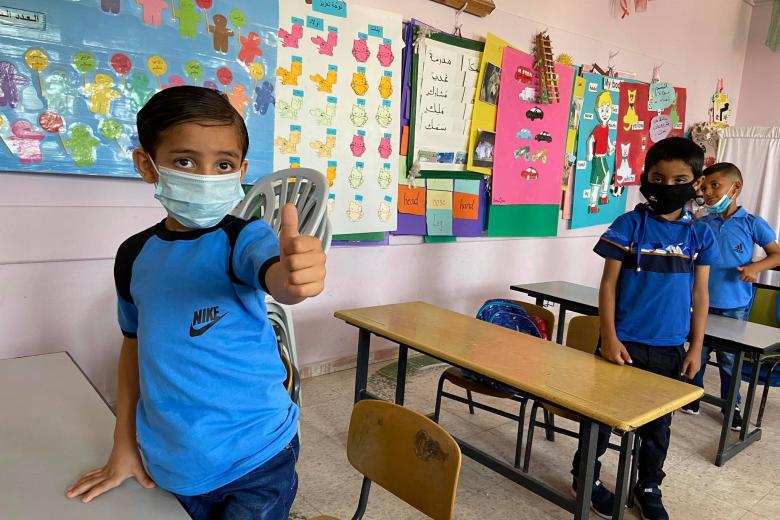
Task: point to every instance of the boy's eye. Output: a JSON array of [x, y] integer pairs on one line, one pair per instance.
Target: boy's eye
[[184, 163], [225, 166]]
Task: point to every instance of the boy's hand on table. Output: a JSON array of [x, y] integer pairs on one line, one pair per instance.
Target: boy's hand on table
[[748, 273], [612, 349], [124, 462], [301, 257], [691, 363]]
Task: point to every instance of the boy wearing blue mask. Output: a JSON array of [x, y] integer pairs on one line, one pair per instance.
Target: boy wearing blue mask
[[652, 299], [200, 380], [731, 289]]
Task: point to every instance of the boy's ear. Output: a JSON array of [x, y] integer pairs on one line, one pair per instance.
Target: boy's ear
[[737, 188], [145, 166], [697, 183], [244, 167]]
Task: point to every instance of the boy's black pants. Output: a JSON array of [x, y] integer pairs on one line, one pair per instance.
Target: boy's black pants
[[665, 361]]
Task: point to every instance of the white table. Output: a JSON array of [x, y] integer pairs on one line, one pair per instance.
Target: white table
[[54, 426]]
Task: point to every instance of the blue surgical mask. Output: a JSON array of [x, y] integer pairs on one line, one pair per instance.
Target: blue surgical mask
[[198, 201], [722, 205]]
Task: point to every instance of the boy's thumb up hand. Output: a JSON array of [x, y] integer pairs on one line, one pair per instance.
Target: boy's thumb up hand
[[301, 257], [289, 230]]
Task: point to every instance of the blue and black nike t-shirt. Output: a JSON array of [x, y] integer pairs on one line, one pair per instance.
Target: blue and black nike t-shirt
[[655, 287], [213, 405]]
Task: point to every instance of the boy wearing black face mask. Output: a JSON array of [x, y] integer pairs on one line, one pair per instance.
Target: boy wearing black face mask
[[653, 298]]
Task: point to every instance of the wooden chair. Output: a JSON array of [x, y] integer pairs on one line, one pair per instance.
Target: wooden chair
[[407, 454], [454, 376]]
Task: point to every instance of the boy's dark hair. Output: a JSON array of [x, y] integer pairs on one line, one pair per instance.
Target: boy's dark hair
[[676, 149], [187, 104], [726, 169]]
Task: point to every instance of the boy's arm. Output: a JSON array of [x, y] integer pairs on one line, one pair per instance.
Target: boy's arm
[[125, 460], [750, 272], [701, 307], [612, 349], [300, 271]]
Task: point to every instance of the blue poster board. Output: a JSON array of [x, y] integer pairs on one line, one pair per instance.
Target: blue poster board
[[73, 75]]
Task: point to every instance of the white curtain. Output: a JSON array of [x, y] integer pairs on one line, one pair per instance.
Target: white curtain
[[756, 152]]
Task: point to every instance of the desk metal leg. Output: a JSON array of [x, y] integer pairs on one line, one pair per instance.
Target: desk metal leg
[[623, 475], [361, 374], [731, 402], [755, 358], [589, 432], [561, 325], [400, 380]]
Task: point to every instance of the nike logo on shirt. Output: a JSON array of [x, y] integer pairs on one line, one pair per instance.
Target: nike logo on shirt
[[210, 316]]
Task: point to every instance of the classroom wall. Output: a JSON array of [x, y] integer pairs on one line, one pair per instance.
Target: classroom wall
[[758, 102], [59, 234]]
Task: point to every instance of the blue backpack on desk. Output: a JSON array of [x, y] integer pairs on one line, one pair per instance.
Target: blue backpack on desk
[[510, 315]]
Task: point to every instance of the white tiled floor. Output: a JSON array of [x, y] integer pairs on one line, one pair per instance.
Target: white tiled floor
[[747, 487]]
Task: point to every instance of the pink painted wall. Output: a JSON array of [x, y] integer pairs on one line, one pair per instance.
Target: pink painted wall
[[59, 234], [759, 104]]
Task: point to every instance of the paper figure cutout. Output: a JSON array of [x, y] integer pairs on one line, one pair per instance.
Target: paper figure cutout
[[386, 87], [205, 5], [82, 145], [152, 11], [631, 118], [264, 97], [385, 55], [530, 174], [325, 116], [52, 122], [188, 19], [102, 94], [25, 142], [112, 129], [157, 66], [250, 48], [523, 152], [359, 116], [359, 82], [358, 144], [360, 50], [660, 127], [290, 110], [540, 155], [37, 60], [291, 38], [356, 177], [385, 147], [599, 146], [60, 93], [110, 6], [289, 145], [325, 84], [624, 175], [138, 90], [385, 211], [238, 98], [238, 19], [326, 46], [174, 80], [121, 63], [355, 209], [383, 116], [325, 149], [290, 77], [221, 33], [10, 82], [193, 70], [385, 177], [84, 63], [330, 173]]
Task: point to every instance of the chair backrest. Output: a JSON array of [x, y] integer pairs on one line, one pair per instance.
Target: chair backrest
[[583, 333], [307, 189], [406, 453], [765, 308], [545, 315], [281, 321]]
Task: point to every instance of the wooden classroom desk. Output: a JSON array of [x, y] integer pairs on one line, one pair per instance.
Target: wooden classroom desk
[[623, 398], [53, 427], [743, 338]]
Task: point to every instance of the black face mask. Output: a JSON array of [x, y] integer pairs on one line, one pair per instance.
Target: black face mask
[[663, 199]]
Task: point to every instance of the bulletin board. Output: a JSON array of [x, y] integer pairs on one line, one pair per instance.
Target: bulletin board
[[73, 75]]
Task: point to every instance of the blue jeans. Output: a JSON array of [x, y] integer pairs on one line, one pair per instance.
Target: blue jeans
[[265, 493], [725, 359]]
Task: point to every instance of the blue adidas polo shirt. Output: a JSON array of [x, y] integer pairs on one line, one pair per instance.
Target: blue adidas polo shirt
[[736, 237], [655, 287], [213, 405]]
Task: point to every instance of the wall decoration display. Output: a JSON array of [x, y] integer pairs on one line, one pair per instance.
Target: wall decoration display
[[444, 82], [597, 199], [442, 207], [643, 121], [483, 117], [570, 159], [74, 74], [530, 136], [338, 96]]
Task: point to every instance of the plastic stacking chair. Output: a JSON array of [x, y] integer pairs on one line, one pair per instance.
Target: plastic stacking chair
[[407, 454], [307, 189], [456, 377], [281, 320]]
